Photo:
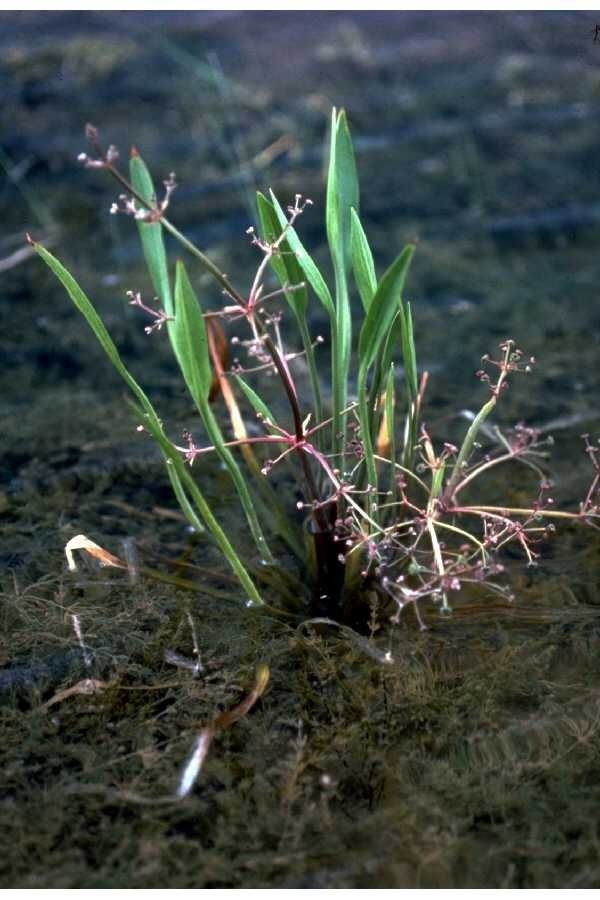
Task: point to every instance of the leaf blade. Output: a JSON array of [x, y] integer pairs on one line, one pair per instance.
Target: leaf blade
[[383, 307], [307, 264], [151, 234], [190, 340], [284, 264], [362, 261]]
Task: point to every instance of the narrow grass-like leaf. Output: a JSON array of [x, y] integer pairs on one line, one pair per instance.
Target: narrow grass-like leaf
[[362, 261], [181, 474], [271, 507], [151, 234], [184, 501], [468, 442], [268, 506], [85, 306]]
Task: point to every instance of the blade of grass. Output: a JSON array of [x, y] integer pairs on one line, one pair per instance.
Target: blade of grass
[[190, 340], [383, 308]]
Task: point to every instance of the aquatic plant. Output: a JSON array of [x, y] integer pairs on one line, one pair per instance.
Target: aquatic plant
[[382, 507]]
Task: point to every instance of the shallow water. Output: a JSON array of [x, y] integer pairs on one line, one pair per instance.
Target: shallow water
[[472, 760]]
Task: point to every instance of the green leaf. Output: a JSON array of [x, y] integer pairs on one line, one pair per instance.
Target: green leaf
[[151, 235], [185, 478], [409, 354], [383, 308], [390, 346], [190, 344], [362, 261], [284, 263], [178, 472], [258, 405], [380, 316], [189, 339], [383, 360], [342, 196], [85, 307], [311, 272], [390, 403], [409, 359], [342, 191], [437, 481], [289, 271]]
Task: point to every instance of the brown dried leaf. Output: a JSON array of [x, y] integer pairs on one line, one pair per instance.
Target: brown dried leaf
[[81, 542]]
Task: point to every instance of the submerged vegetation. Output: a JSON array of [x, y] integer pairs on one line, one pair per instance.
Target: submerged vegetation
[[389, 517]]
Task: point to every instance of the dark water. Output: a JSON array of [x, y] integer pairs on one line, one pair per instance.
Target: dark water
[[474, 762]]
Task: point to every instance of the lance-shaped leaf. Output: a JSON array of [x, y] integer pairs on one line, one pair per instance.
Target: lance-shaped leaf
[[185, 477], [189, 339], [284, 263], [386, 355], [289, 272], [257, 403], [151, 234], [409, 360], [307, 264], [342, 196], [409, 354], [362, 261], [383, 308], [342, 189]]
